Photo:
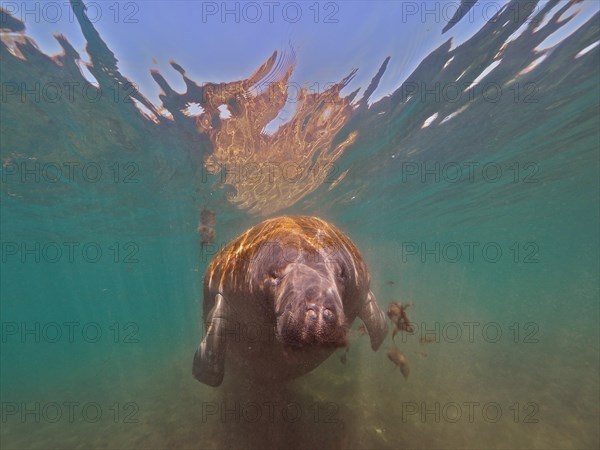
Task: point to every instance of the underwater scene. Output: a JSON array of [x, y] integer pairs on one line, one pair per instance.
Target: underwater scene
[[316, 224]]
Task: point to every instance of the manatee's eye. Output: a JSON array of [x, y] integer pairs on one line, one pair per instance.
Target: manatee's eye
[[273, 276]]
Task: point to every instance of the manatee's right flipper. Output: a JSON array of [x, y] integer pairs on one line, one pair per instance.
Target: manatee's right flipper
[[374, 319], [209, 359]]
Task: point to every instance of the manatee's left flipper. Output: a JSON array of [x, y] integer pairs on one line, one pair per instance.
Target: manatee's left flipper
[[374, 319], [209, 359]]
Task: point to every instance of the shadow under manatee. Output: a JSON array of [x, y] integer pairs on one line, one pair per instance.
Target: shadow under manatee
[[302, 413]]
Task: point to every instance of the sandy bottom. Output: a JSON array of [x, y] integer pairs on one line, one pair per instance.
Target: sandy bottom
[[449, 401]]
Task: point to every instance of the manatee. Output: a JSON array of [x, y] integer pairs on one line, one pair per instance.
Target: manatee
[[280, 299]]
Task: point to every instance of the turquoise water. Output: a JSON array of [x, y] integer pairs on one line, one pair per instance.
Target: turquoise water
[[501, 262]]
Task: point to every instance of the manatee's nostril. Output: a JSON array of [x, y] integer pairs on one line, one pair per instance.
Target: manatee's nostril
[[328, 315], [312, 311]]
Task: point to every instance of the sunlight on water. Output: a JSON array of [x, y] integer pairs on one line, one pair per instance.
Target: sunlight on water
[[260, 166], [471, 189]]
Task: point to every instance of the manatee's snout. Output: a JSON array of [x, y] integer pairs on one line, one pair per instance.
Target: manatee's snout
[[310, 310], [322, 306]]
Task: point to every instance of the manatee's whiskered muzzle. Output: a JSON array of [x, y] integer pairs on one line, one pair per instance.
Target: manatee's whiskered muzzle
[[319, 313], [325, 308], [312, 316]]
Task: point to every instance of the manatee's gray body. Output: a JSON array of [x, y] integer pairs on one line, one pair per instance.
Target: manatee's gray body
[[279, 299]]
